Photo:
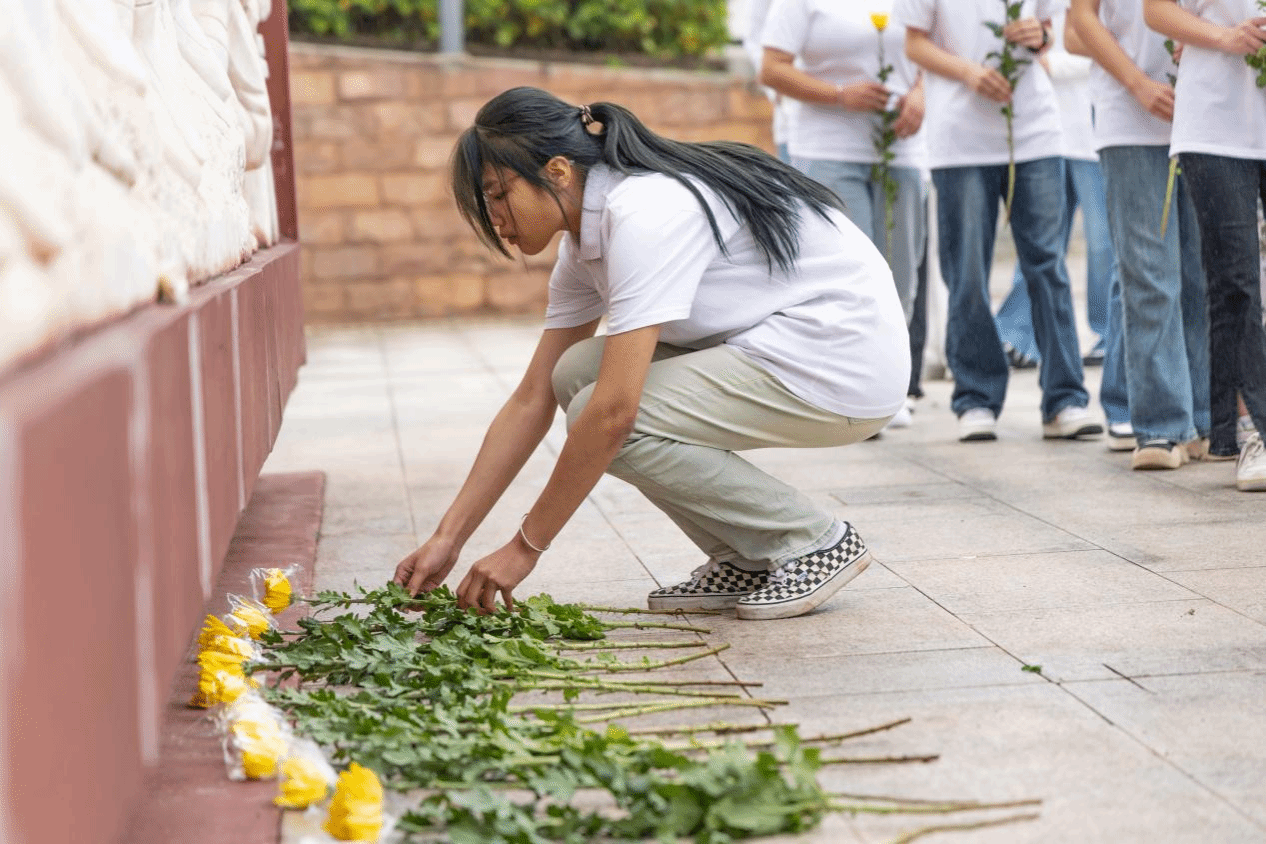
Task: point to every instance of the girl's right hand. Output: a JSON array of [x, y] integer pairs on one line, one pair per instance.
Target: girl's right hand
[[1245, 39], [1157, 98], [862, 96], [426, 568]]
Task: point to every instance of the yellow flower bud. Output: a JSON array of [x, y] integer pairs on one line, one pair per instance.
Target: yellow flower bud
[[234, 646], [302, 783], [880, 20], [220, 679], [251, 617], [277, 592], [356, 810]]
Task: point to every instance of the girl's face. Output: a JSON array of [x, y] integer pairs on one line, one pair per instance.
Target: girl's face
[[527, 216]]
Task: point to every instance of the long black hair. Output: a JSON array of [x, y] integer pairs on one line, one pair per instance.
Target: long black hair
[[523, 128]]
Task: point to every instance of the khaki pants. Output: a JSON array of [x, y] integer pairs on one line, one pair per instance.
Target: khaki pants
[[697, 409]]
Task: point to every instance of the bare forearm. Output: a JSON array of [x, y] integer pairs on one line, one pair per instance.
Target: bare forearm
[[514, 434], [1099, 44], [591, 445], [791, 81], [935, 59], [1168, 18]]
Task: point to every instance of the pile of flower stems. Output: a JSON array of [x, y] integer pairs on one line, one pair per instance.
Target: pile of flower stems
[[532, 726]]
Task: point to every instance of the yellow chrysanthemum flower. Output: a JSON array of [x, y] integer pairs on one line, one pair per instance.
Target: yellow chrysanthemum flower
[[234, 646], [261, 743], [277, 592], [212, 628], [356, 810], [302, 783], [880, 20], [220, 679], [252, 617]]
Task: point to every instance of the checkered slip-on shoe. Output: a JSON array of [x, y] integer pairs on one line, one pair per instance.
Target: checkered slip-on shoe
[[804, 583], [715, 585]]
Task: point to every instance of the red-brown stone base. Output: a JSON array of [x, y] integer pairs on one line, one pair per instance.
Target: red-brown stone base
[[188, 797]]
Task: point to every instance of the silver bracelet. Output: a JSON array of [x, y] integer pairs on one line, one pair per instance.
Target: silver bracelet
[[527, 541]]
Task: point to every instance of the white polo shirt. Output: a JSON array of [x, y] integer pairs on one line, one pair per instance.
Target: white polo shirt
[[837, 42], [1120, 120], [964, 129], [1218, 108], [832, 330]]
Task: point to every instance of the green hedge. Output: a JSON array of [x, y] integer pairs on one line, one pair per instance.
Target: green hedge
[[660, 28]]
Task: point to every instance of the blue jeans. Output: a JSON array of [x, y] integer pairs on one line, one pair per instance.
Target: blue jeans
[[863, 199], [967, 219], [1163, 293], [1083, 187], [1224, 192]]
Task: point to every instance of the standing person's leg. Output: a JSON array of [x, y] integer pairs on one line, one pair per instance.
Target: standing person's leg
[[1015, 324], [909, 232], [697, 409], [1039, 228], [1194, 301], [967, 219], [1103, 290], [1086, 178], [1225, 193], [1156, 358], [919, 323], [851, 183]]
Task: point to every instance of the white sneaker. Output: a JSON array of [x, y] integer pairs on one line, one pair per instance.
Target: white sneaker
[[1121, 437], [1070, 423], [902, 418], [977, 424], [1250, 471]]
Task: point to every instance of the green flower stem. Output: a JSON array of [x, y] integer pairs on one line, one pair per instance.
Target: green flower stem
[[651, 666], [1169, 195], [963, 827], [880, 760], [646, 690], [622, 646], [651, 625], [637, 611], [1011, 68], [669, 706], [929, 809]]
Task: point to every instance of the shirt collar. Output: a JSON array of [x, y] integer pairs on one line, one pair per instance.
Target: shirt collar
[[598, 185]]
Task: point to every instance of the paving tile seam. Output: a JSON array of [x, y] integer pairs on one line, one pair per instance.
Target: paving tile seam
[[1170, 762], [401, 462]]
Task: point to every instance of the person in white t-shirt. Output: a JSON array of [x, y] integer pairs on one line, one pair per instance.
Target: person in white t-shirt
[[1166, 334], [743, 310], [757, 11], [1219, 137], [968, 152], [825, 56]]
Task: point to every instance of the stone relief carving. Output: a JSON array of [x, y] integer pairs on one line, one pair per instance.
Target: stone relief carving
[[134, 156]]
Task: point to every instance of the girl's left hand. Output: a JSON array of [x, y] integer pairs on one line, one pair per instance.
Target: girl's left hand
[[499, 572], [910, 113]]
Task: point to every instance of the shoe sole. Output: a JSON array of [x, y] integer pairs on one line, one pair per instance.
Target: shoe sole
[[1251, 485], [799, 606], [692, 602], [1090, 429], [978, 437], [1149, 462]]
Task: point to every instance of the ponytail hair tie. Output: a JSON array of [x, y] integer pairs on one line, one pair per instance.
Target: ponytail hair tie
[[586, 116]]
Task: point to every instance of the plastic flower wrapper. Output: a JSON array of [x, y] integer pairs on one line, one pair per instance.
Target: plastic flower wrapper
[[356, 810], [251, 616], [305, 777], [256, 739], [221, 679], [272, 585]]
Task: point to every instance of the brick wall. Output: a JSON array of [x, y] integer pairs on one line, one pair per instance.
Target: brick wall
[[372, 133]]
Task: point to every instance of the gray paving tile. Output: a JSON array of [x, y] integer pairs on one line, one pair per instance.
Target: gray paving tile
[[1036, 581], [1165, 637], [1208, 726], [1240, 589], [1201, 544]]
